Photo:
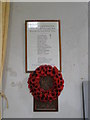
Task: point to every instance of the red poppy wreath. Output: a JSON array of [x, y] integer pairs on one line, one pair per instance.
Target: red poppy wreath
[[36, 81]]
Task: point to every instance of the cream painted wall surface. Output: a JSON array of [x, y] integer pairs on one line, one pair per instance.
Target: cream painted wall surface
[[74, 31]]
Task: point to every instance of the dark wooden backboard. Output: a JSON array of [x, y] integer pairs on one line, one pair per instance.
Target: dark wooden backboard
[[46, 106]]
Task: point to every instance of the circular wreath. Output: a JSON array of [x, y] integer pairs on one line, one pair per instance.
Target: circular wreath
[[40, 93]]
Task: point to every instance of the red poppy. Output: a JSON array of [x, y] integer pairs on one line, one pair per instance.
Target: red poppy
[[56, 70], [45, 74], [49, 67], [45, 67], [42, 72], [51, 74]]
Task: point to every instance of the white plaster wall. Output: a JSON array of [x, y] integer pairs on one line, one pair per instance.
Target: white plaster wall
[[74, 21]]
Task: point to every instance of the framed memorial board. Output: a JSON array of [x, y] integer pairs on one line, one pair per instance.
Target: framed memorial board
[[42, 44]]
